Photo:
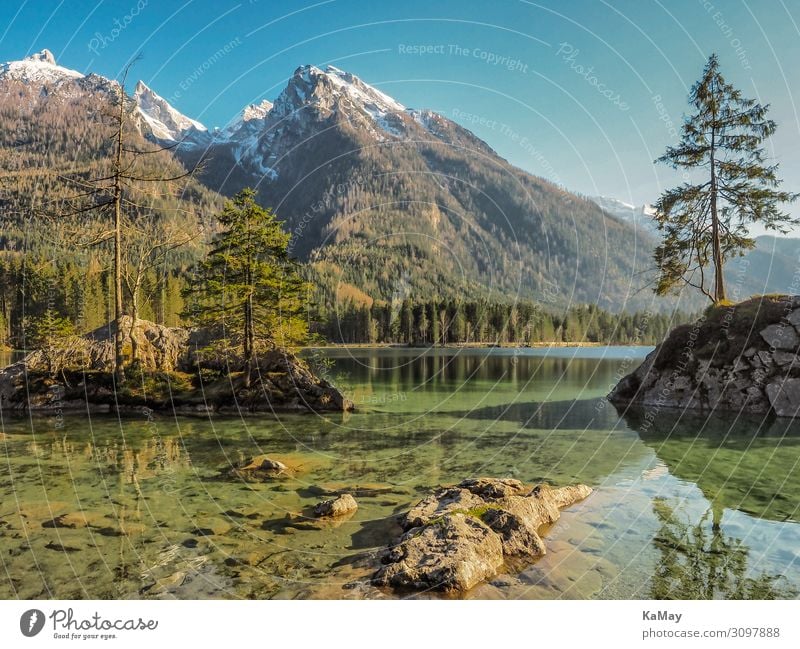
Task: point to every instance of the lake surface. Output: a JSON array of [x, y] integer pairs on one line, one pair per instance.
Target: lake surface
[[688, 508]]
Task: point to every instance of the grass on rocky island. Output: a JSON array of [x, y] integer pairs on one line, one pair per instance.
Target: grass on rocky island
[[726, 330], [141, 386]]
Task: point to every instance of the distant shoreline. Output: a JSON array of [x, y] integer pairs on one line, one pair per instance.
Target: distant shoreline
[[486, 345]]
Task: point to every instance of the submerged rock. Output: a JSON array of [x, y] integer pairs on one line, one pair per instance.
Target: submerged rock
[[461, 536], [59, 547], [258, 468], [210, 527], [741, 358], [339, 506], [263, 463], [71, 520]]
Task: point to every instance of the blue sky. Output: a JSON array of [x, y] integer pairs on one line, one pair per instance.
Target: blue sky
[[584, 92]]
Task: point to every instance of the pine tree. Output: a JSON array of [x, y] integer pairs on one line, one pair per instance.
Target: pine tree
[[706, 222], [407, 322], [248, 291]]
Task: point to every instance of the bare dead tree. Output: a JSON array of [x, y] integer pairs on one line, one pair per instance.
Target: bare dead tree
[[116, 193], [150, 245]]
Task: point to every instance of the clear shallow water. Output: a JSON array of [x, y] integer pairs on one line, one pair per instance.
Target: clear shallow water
[[689, 508]]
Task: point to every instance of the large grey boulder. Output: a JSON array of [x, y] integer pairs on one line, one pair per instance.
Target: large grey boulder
[[781, 336], [460, 536], [784, 397], [741, 358]]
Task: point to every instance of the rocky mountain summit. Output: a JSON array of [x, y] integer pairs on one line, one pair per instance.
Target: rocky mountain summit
[[164, 121], [741, 358], [40, 68], [40, 74]]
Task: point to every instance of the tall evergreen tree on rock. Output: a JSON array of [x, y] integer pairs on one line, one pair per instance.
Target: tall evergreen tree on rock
[[704, 221], [248, 291]]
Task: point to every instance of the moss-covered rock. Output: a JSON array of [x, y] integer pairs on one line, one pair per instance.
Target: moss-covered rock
[[460, 536]]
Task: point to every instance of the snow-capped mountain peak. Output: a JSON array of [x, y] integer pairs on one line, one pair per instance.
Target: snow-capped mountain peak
[[246, 117], [330, 89], [165, 122], [40, 68], [316, 102], [361, 91], [256, 111], [45, 56]]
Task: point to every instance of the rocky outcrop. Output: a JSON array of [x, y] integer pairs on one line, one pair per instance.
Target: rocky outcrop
[[12, 382], [167, 377], [158, 347], [281, 381], [741, 358], [455, 554], [460, 536]]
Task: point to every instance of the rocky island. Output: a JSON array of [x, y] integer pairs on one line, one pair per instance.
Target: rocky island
[[741, 358], [167, 376]]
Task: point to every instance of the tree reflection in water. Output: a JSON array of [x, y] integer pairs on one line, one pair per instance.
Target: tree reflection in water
[[699, 561]]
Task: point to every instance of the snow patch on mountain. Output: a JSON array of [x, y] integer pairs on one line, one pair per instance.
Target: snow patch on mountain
[[640, 216], [382, 108], [427, 119], [245, 149], [363, 93]]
